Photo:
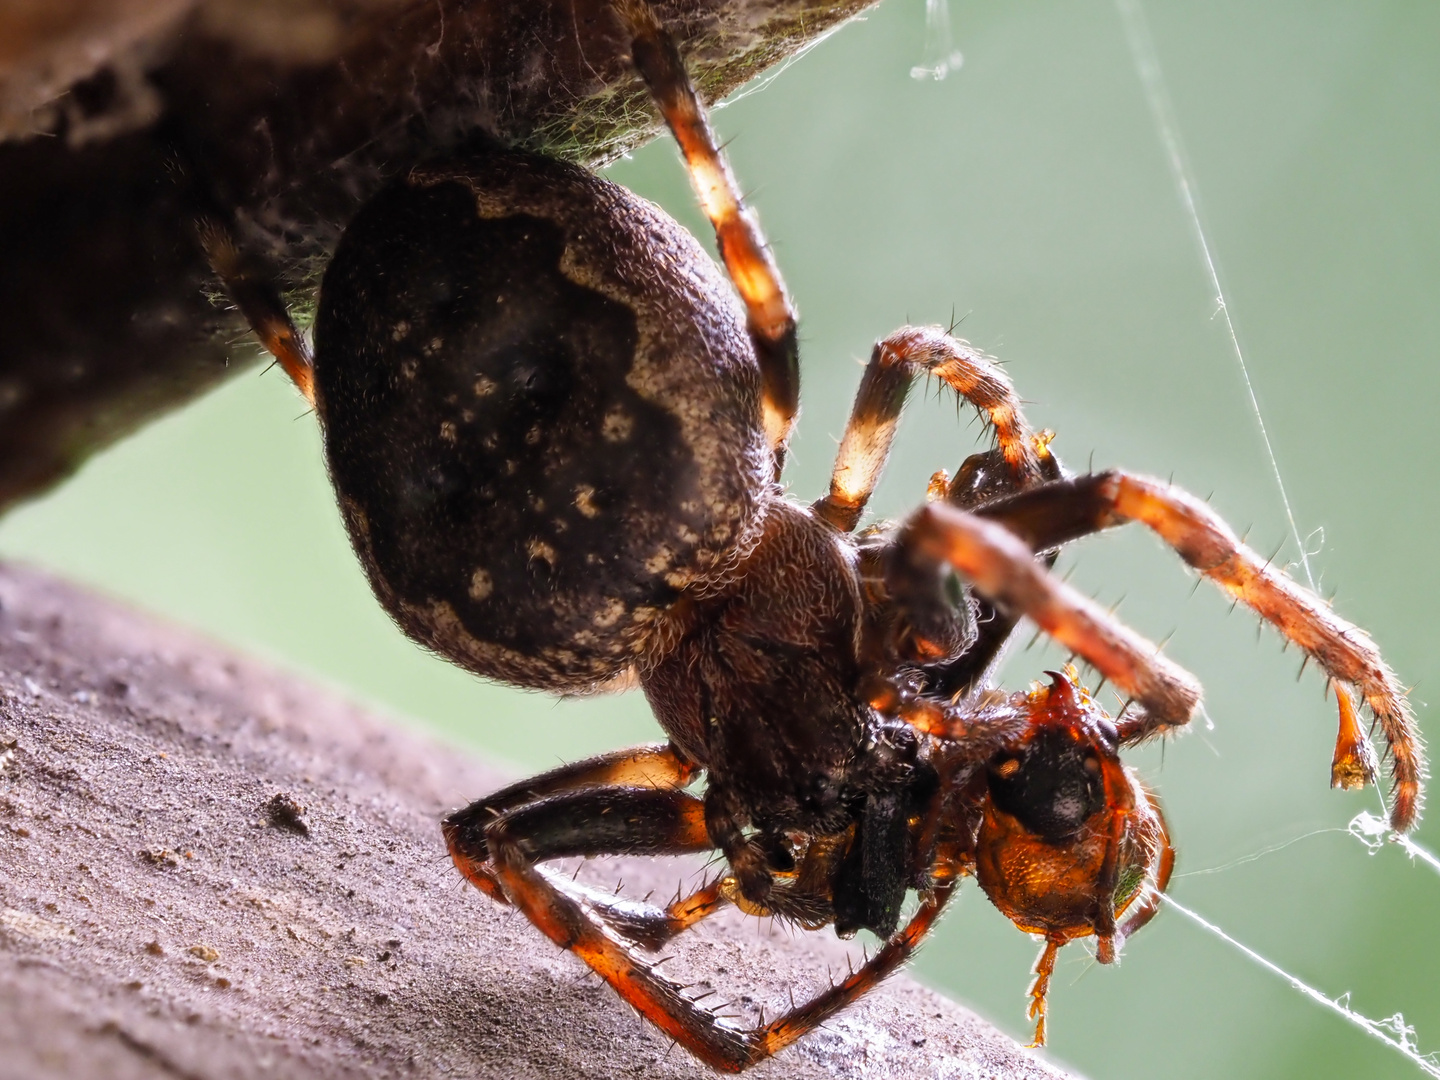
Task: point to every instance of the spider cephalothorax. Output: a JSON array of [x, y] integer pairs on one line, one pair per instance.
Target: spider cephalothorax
[[555, 435]]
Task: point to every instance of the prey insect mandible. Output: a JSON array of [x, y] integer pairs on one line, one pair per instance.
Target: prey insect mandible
[[556, 431]]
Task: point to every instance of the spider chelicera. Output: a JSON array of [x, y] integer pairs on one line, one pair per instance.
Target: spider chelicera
[[556, 440]]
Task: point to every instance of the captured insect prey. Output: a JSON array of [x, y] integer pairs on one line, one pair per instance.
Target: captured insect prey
[[556, 431]]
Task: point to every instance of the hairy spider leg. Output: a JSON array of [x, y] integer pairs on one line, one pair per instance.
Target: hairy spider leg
[[1059, 512], [742, 245], [649, 926], [1003, 569], [252, 288], [1341, 648], [608, 820], [1054, 513], [893, 955], [651, 765], [586, 822], [894, 364]]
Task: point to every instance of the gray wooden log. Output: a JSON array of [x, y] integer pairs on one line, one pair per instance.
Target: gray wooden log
[[209, 869]]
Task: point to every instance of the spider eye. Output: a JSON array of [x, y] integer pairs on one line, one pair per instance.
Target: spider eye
[[1053, 790]]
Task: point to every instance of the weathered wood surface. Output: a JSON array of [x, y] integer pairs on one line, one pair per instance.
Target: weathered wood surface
[[291, 113], [162, 915]]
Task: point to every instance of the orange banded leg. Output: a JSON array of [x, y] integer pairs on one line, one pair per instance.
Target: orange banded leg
[[1345, 651], [587, 822], [253, 290], [653, 765], [737, 231], [1057, 512], [897, 950], [1003, 569], [564, 919], [894, 364]]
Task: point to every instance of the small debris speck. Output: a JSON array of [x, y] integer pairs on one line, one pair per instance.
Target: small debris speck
[[285, 813]]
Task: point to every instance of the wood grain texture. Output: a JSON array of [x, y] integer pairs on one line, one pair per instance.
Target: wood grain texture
[[209, 869]]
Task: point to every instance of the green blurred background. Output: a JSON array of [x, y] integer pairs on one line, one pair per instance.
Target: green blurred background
[[1028, 193]]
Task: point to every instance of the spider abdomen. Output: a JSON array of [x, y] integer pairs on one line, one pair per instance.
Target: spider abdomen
[[540, 421]]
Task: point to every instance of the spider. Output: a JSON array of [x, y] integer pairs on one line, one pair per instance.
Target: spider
[[556, 436]]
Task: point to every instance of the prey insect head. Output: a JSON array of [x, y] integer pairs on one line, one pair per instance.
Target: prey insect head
[[1070, 844]]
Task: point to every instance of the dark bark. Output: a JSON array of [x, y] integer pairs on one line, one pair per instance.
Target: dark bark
[[118, 116]]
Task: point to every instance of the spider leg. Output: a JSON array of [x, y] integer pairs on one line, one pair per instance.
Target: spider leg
[[252, 287], [1000, 562], [1057, 513], [653, 765], [564, 919], [1003, 569], [1046, 517], [893, 366], [649, 926], [615, 819], [737, 231]]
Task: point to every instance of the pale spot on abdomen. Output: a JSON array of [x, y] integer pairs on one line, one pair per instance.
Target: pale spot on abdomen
[[481, 584]]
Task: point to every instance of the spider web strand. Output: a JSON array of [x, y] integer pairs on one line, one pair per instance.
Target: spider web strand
[[1393, 1032], [1373, 832], [1152, 81]]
